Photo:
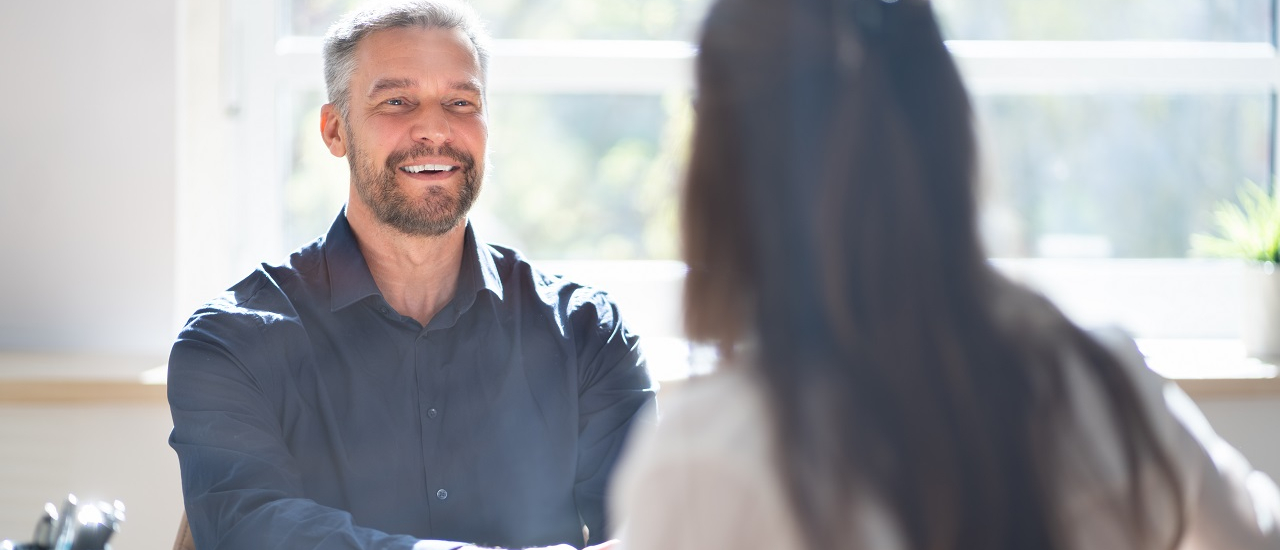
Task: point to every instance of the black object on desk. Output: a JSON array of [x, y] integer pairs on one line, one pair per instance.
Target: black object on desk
[[77, 526]]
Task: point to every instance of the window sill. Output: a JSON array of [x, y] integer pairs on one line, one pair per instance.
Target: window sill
[[1204, 368], [1211, 368]]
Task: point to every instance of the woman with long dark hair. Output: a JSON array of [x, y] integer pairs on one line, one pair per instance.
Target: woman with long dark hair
[[882, 386]]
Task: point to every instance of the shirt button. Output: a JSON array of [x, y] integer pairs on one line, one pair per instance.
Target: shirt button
[[442, 494], [431, 413]]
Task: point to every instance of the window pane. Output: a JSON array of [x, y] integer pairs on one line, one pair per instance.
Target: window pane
[[1128, 176], [570, 176], [540, 19], [586, 176], [1211, 20], [315, 186]]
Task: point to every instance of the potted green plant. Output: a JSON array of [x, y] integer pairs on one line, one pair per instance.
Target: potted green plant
[[1249, 229]]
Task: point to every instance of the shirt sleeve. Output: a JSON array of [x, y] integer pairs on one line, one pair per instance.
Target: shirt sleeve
[[1227, 503], [614, 387], [241, 485]]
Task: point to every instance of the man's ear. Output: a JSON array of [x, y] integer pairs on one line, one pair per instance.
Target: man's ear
[[332, 130]]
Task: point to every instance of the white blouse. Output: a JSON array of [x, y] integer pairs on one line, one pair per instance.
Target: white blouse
[[707, 477]]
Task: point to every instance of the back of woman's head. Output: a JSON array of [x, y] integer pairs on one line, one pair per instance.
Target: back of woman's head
[[829, 219], [834, 150]]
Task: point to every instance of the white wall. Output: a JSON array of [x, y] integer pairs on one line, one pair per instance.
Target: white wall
[[1249, 425], [88, 161], [87, 170]]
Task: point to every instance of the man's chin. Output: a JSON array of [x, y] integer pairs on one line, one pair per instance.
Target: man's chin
[[426, 207], [423, 224]]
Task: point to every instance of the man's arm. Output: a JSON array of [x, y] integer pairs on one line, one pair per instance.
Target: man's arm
[[616, 393], [241, 484]]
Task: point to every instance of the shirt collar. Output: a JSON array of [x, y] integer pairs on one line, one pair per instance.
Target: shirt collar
[[350, 280], [488, 277]]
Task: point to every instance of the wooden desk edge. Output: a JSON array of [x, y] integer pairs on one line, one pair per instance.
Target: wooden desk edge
[[1230, 388], [72, 392], [80, 392]]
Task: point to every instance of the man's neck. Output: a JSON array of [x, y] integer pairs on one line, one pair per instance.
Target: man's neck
[[417, 275]]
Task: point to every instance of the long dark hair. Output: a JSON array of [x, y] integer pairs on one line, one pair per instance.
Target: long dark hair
[[829, 218]]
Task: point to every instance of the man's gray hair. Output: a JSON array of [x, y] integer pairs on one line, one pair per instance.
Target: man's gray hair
[[341, 40]]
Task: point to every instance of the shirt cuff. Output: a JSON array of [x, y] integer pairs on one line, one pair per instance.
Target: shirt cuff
[[438, 545]]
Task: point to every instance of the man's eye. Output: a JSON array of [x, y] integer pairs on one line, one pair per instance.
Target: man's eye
[[460, 103], [396, 102]]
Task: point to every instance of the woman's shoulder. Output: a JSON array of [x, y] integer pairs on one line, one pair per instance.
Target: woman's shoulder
[[704, 476], [723, 412], [708, 475], [712, 428]]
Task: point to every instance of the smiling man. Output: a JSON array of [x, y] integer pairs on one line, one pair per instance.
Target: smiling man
[[397, 383]]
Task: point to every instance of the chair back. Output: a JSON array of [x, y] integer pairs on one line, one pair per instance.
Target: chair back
[[183, 541]]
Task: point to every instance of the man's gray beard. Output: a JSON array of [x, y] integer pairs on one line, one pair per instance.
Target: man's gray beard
[[431, 216]]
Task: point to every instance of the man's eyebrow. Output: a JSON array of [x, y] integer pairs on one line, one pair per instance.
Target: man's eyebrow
[[384, 84], [472, 86]]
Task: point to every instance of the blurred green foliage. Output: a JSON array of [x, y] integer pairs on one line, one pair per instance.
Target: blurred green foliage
[[1247, 228]]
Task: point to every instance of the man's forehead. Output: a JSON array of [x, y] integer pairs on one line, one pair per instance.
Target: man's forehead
[[394, 55], [406, 41]]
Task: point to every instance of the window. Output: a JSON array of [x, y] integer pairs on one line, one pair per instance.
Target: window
[[1108, 130], [1111, 128], [1117, 174]]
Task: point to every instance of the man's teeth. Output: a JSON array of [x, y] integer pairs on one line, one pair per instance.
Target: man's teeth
[[429, 168]]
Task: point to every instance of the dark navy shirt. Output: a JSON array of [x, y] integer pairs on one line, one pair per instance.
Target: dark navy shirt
[[308, 413]]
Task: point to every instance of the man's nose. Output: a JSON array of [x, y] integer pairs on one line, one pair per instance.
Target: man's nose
[[432, 125]]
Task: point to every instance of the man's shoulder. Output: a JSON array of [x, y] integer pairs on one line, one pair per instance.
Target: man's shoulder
[[250, 307], [553, 289], [263, 299]]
